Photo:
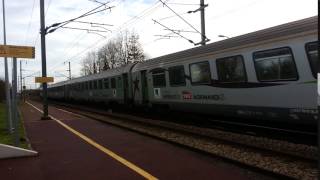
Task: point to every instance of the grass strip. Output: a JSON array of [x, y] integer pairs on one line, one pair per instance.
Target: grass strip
[[5, 136]]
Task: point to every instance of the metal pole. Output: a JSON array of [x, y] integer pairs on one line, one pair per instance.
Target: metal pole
[[21, 90], [69, 71], [203, 27], [43, 58], [7, 84], [14, 102], [24, 93]]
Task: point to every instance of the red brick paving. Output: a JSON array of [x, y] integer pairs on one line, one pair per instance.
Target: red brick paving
[[63, 155]]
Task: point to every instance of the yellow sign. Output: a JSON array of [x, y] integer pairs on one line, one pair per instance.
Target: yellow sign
[[44, 79], [17, 51]]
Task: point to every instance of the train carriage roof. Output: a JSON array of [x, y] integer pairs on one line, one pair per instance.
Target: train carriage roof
[[292, 28], [104, 74]]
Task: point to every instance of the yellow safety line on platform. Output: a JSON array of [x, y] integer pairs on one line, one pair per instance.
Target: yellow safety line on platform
[[71, 113], [101, 148]]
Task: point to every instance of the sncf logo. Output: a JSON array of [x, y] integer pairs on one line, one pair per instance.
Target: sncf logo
[[186, 95]]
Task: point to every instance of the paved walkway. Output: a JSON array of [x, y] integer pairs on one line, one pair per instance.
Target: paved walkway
[[74, 147]]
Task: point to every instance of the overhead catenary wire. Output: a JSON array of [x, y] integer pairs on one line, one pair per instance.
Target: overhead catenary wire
[[98, 1], [79, 38], [84, 22], [140, 16], [68, 49], [93, 11], [180, 30], [125, 24], [187, 4], [167, 36], [168, 17], [31, 17], [56, 26], [49, 3], [38, 34], [84, 29], [164, 3], [174, 32]]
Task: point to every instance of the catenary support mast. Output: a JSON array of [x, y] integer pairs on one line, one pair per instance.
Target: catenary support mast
[[43, 60]]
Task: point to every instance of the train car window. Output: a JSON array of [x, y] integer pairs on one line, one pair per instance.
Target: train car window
[[119, 82], [100, 84], [200, 73], [106, 83], [275, 65], [231, 69], [312, 53], [177, 76], [113, 83], [159, 78], [95, 84], [91, 84]]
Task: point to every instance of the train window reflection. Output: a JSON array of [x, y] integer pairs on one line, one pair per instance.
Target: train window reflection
[[100, 84], [106, 83], [275, 65], [231, 69], [312, 52], [113, 83], [200, 73], [159, 78], [177, 76], [95, 84]]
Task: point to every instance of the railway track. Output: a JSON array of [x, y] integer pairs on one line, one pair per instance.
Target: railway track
[[281, 158], [295, 134]]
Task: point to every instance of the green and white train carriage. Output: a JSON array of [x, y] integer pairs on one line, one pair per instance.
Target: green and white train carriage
[[268, 74]]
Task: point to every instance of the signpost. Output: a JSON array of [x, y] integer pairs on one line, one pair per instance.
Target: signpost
[[16, 52], [44, 79]]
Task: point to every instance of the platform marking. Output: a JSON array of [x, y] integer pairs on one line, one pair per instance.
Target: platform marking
[[71, 113], [101, 148]]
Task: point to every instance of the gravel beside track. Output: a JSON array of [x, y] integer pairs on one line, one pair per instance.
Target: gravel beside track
[[279, 157]]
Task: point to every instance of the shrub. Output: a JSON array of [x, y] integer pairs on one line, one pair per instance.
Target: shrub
[[2, 90]]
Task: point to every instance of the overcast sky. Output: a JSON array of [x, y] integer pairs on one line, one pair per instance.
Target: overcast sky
[[223, 17]]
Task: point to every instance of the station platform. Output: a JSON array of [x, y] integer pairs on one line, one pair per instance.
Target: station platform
[[75, 147]]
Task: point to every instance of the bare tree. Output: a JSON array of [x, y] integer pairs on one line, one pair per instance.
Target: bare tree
[[102, 58], [123, 49], [134, 49], [90, 64]]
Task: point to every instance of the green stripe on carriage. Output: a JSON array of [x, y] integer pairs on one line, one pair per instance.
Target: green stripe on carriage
[[310, 82]]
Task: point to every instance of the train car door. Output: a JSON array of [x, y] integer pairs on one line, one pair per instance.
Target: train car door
[[144, 86], [125, 87], [64, 92]]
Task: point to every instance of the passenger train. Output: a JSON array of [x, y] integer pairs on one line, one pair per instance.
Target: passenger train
[[269, 74]]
